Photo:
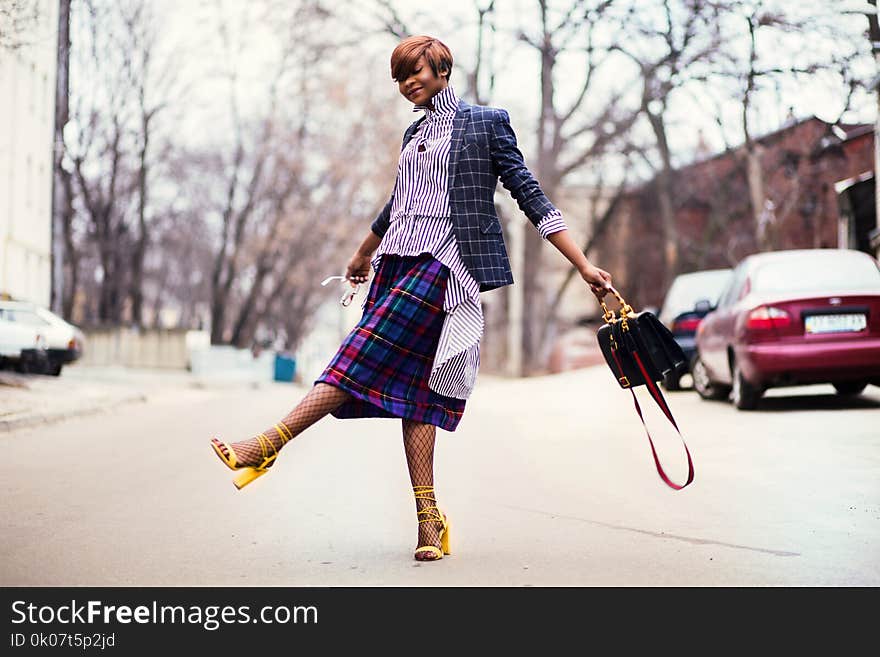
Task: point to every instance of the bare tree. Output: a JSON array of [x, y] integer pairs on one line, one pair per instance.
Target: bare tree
[[668, 40], [99, 151], [483, 59], [800, 64], [245, 186], [153, 84], [568, 139], [119, 84], [293, 191]]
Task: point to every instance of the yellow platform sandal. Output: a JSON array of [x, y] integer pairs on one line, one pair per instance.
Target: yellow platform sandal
[[251, 472], [431, 514]]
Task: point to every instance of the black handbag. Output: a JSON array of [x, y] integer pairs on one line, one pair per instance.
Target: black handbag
[[640, 351], [645, 348]]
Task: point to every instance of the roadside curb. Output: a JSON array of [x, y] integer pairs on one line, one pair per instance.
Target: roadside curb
[[101, 406]]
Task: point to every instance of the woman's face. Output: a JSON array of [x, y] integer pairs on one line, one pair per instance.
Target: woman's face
[[422, 85]]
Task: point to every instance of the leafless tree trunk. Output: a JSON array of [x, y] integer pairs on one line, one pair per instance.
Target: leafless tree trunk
[[753, 151], [235, 221], [242, 188], [152, 89], [267, 259], [99, 153], [100, 202], [485, 30]]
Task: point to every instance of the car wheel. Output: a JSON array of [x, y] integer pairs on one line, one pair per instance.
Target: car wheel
[[745, 395], [32, 364], [703, 384], [850, 387]]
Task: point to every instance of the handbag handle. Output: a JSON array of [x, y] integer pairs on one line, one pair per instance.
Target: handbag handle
[[625, 309]]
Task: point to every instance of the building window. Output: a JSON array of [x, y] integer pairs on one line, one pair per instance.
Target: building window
[[790, 163]]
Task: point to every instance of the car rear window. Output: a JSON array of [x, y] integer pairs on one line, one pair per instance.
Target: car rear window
[[687, 289], [848, 270]]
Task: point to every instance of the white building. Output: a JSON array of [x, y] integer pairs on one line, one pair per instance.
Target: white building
[[27, 118]]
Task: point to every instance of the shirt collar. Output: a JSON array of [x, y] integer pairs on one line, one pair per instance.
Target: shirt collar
[[445, 103]]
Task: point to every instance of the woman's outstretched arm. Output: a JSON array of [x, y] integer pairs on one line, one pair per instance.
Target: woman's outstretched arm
[[598, 279]]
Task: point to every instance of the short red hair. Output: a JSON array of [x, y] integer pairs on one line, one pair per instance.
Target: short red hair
[[408, 51]]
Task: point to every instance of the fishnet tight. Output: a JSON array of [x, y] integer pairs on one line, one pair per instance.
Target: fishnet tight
[[418, 443], [320, 400]]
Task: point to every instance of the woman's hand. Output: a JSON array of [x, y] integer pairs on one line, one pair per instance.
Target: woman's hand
[[598, 279], [358, 269]]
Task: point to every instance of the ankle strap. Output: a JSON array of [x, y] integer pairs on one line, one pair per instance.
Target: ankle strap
[[265, 445], [424, 493], [431, 513], [284, 433]]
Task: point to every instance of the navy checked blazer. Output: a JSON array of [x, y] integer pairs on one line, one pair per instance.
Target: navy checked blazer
[[482, 150]]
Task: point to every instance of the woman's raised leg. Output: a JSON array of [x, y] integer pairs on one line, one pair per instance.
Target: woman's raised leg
[[261, 450]]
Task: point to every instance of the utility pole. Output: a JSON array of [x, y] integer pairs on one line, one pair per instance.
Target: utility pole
[[60, 202]]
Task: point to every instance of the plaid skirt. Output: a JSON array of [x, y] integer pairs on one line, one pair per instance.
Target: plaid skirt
[[385, 362]]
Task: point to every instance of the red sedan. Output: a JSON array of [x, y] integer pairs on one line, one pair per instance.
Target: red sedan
[[792, 318]]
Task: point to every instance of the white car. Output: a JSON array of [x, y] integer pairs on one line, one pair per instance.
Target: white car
[[22, 347], [64, 342]]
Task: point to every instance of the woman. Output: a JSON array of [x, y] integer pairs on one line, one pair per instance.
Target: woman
[[434, 247]]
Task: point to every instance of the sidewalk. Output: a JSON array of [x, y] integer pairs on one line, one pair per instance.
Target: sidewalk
[[27, 400]]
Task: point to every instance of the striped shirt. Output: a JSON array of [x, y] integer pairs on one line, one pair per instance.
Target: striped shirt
[[420, 223]]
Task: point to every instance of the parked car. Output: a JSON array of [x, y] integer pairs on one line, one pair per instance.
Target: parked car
[[689, 299], [64, 342], [792, 318], [22, 347]]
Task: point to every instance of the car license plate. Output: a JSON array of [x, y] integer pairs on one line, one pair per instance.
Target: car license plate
[[835, 323]]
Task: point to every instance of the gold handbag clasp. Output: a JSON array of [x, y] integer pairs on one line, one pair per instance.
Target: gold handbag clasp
[[624, 310]]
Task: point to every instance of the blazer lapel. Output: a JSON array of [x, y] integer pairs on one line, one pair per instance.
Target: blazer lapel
[[459, 125]]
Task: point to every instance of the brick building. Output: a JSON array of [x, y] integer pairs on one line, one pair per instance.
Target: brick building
[[818, 184]]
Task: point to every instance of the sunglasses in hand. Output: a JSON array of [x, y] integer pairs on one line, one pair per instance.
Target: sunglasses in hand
[[349, 294]]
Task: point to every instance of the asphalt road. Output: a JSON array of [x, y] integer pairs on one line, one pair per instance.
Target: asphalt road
[[547, 482]]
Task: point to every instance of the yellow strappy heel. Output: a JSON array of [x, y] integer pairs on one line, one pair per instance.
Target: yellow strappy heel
[[432, 514], [250, 472]]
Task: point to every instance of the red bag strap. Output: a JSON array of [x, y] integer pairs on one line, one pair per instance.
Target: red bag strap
[[661, 402]]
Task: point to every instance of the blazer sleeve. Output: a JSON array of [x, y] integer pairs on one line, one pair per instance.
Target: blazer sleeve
[[382, 220], [510, 167]]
